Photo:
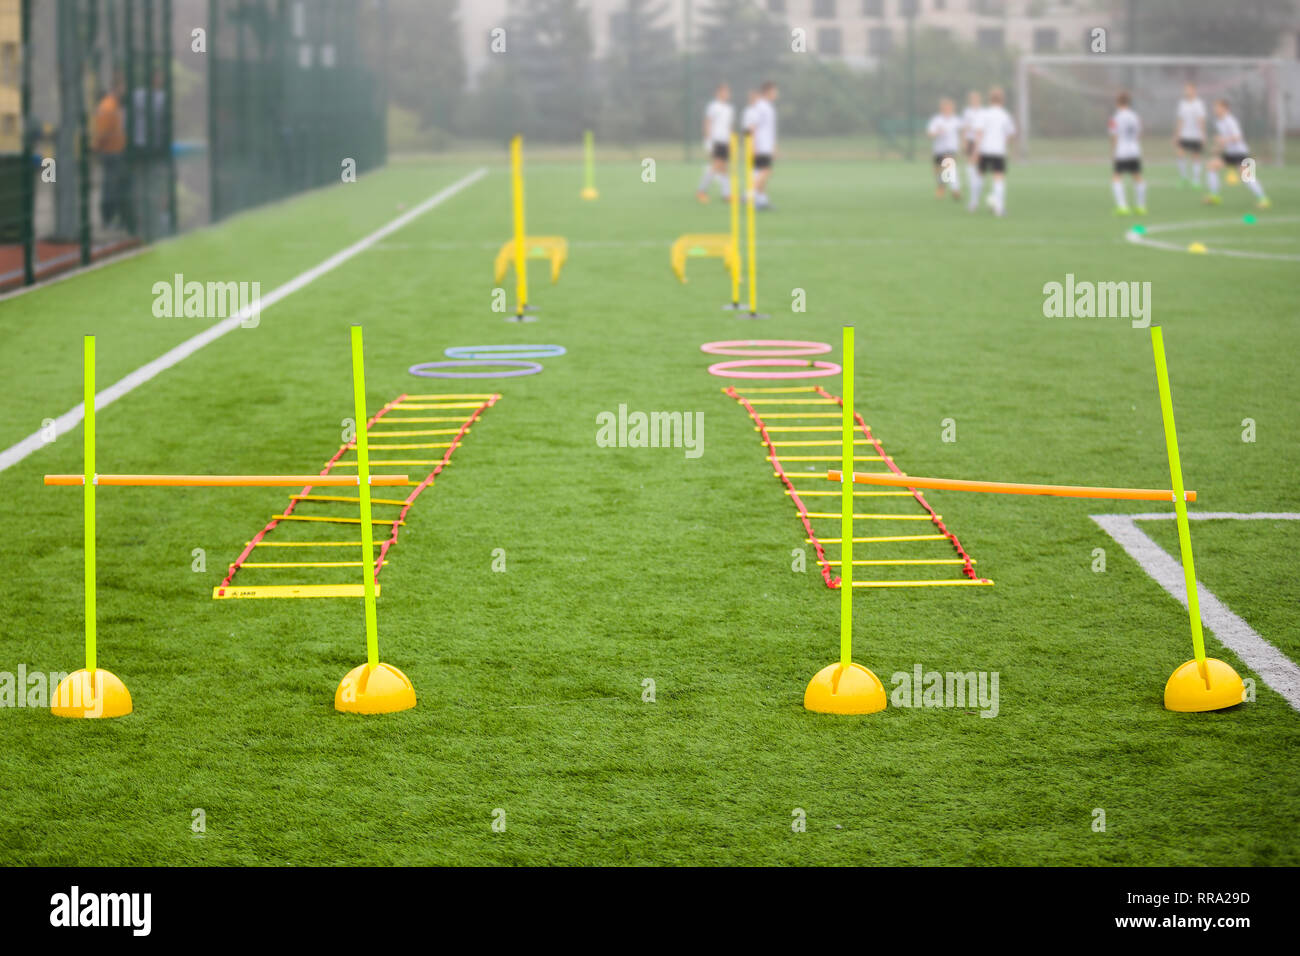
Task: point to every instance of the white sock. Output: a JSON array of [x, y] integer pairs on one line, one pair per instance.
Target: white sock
[[1000, 196], [1182, 166], [1117, 190], [760, 199], [976, 184], [705, 180], [1256, 188], [1141, 190], [1196, 173], [1212, 180]]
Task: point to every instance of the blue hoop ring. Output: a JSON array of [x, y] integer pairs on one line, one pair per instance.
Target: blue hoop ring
[[504, 351], [519, 368]]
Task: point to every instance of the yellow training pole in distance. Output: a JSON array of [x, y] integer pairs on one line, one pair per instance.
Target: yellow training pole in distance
[[750, 257], [846, 687], [521, 239], [735, 161], [90, 692], [589, 162], [1204, 683], [372, 687]]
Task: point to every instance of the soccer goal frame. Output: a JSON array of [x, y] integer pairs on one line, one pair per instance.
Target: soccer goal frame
[[1274, 68]]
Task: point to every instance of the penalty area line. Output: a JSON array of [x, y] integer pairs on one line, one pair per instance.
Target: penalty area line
[[133, 380], [1273, 667]]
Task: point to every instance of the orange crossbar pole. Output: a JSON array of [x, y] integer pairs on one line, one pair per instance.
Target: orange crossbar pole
[[230, 481], [1011, 487]]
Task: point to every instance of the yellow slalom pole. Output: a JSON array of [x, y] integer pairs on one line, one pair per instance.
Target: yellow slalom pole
[[846, 504], [363, 476], [1180, 502], [89, 499], [517, 196], [749, 224], [735, 161], [589, 162]]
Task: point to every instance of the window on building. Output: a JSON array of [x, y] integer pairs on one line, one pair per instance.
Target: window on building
[[909, 8], [824, 9], [873, 8], [1045, 40], [941, 4], [988, 8], [880, 40], [776, 6], [989, 38], [829, 42]]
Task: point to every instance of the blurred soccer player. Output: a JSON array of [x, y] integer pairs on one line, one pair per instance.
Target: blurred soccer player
[[1190, 140], [717, 143], [1233, 152], [763, 129], [995, 131], [970, 133], [944, 131], [1125, 141]]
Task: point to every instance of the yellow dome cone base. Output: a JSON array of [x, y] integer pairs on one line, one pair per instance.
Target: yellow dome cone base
[[837, 689], [590, 193], [1186, 690], [82, 694], [379, 690]]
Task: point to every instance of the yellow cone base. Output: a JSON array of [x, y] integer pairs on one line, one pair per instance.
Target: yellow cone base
[[590, 193], [1186, 690], [837, 689], [82, 694], [381, 690]]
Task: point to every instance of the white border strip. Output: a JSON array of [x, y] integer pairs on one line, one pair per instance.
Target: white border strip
[[1273, 667], [70, 419]]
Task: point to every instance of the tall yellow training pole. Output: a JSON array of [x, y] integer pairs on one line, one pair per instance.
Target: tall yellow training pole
[[846, 687], [1204, 683], [589, 167], [521, 237], [372, 687], [750, 256], [90, 692], [733, 164]]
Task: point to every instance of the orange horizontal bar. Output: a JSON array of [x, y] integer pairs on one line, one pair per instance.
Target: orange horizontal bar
[[229, 481], [1011, 488]]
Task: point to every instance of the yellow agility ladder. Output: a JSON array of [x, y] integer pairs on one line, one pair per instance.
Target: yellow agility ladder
[[800, 433], [427, 438]]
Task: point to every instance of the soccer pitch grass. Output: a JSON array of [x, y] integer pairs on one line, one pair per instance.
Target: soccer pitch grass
[[628, 564]]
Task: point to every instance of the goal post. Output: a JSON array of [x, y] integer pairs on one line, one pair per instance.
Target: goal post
[[1067, 96]]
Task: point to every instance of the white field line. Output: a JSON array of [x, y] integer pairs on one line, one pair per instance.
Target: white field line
[[73, 416], [1273, 667], [1144, 240]]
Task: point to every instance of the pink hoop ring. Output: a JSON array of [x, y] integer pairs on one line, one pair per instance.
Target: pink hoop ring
[[788, 349], [806, 369]]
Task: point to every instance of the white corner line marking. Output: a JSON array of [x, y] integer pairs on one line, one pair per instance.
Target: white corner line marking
[[73, 416], [1273, 667]]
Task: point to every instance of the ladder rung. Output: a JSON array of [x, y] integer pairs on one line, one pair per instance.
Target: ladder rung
[[827, 514], [336, 520], [802, 415], [438, 398], [817, 444], [390, 419], [857, 494], [885, 561], [783, 458], [411, 433], [958, 582], [880, 539], [789, 401], [396, 461], [407, 447], [795, 428], [777, 391], [373, 501], [305, 544], [293, 591], [405, 407], [302, 564], [821, 475]]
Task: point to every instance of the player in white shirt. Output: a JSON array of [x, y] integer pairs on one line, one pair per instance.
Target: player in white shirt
[[1125, 139], [994, 131], [970, 133], [762, 126], [944, 131], [1190, 137], [1233, 153], [717, 143]]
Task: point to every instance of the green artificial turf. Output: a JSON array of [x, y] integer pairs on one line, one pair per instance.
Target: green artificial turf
[[625, 565]]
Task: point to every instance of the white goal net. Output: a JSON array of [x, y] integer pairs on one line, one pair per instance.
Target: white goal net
[[1063, 102]]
